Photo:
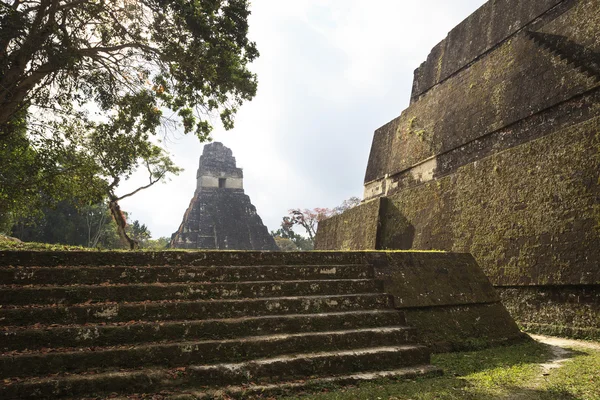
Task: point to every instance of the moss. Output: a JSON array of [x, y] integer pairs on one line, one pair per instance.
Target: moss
[[497, 373], [460, 328]]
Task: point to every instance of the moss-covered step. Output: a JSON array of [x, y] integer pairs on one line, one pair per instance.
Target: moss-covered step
[[77, 294], [288, 388], [200, 309], [130, 333], [117, 274], [200, 352], [295, 366], [30, 258]]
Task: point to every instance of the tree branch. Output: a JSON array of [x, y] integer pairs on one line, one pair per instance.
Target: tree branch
[[152, 182]]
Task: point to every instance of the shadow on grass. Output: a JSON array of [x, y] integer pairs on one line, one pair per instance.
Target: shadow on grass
[[494, 374], [529, 352], [441, 388]]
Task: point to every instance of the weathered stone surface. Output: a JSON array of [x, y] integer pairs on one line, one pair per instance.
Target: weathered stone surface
[[220, 215], [525, 223], [186, 320], [434, 279], [355, 229], [499, 154], [466, 327], [494, 22], [542, 309], [130, 322], [448, 298]]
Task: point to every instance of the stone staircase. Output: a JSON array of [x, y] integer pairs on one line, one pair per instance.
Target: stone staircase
[[579, 57], [188, 324]]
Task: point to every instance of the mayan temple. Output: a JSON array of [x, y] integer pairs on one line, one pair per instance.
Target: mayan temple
[[498, 156], [220, 215]]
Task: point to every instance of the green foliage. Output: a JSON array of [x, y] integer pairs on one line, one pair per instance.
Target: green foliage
[[84, 226], [84, 86], [67, 224], [39, 172], [300, 242], [284, 244], [162, 243], [139, 232], [130, 59]]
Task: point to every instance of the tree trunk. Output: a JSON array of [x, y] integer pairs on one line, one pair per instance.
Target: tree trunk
[[121, 222]]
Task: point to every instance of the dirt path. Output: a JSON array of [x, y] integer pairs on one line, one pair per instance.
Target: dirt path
[[560, 350], [560, 342]]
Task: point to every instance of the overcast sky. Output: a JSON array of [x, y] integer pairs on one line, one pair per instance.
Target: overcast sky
[[330, 72]]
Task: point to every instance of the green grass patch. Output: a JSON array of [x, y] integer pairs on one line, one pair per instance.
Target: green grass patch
[[579, 377], [512, 372], [7, 243]]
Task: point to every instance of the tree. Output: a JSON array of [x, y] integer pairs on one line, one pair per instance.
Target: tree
[[84, 84], [284, 237], [126, 55], [346, 205], [139, 232], [161, 243], [66, 223], [285, 244], [37, 173], [309, 221]]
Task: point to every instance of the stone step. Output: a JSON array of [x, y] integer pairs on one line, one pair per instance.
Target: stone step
[[171, 355], [85, 275], [77, 294], [189, 310], [208, 258], [45, 336], [287, 388], [261, 371]]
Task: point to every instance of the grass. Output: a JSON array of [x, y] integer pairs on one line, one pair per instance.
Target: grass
[[580, 378], [512, 372], [10, 244]]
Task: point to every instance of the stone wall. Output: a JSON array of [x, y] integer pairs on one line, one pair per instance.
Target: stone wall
[[447, 298], [556, 310], [356, 229], [498, 155], [529, 215], [485, 28], [518, 79]]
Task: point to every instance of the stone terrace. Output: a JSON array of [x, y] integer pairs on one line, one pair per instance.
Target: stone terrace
[[91, 324]]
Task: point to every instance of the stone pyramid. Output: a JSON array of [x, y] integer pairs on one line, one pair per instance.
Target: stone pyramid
[[220, 215]]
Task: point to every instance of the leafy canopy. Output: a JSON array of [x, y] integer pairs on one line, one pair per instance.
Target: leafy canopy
[[128, 59], [84, 84]]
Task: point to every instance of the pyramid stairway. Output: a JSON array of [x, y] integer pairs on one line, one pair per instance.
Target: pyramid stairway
[[579, 57], [85, 328]]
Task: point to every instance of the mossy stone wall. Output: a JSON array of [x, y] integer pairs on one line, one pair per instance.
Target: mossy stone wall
[[529, 215], [572, 311], [514, 80], [498, 155], [486, 27], [448, 298], [356, 229]]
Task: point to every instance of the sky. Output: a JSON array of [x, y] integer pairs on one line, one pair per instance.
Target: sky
[[330, 72]]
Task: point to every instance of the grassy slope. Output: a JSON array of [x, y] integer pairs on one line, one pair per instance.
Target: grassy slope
[[501, 373]]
